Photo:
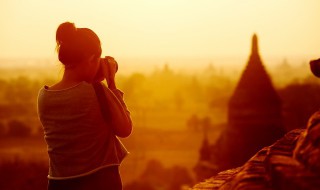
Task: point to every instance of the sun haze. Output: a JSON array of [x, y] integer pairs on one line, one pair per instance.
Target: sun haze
[[166, 28]]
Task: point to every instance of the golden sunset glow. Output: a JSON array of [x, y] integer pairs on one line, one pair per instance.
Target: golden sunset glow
[[166, 28], [207, 83]]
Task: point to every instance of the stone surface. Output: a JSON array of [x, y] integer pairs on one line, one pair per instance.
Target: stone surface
[[307, 150], [274, 167]]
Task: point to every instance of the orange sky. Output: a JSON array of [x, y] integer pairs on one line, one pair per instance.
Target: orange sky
[[165, 28]]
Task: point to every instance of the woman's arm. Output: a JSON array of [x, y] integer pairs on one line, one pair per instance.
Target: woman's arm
[[121, 121]]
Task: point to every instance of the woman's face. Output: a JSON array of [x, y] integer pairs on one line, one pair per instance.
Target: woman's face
[[91, 68]]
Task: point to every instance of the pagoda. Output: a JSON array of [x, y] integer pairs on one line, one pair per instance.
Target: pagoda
[[254, 116], [254, 112]]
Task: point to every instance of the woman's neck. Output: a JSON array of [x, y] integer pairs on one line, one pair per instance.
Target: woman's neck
[[71, 77]]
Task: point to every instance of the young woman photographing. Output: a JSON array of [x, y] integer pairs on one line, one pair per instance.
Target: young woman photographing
[[83, 148]]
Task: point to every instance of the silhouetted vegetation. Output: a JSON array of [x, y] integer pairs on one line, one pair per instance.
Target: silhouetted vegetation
[[299, 102], [196, 124], [182, 105], [26, 175], [156, 176], [18, 129], [3, 130]]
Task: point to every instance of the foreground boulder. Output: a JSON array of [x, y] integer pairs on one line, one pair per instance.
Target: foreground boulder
[[292, 162]]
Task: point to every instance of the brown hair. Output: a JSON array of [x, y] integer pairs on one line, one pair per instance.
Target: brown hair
[[76, 44]]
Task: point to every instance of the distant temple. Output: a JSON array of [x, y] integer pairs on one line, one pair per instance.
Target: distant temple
[[205, 167], [254, 117], [254, 114]]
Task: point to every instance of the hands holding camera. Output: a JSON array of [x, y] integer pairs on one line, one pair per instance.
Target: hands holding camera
[[108, 69]]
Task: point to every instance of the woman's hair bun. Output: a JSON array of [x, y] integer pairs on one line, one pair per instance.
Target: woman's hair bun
[[66, 32], [76, 44]]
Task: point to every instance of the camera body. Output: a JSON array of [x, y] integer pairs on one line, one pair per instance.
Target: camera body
[[109, 61], [315, 67], [107, 64]]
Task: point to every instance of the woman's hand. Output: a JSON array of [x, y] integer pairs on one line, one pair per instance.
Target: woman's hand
[[109, 68]]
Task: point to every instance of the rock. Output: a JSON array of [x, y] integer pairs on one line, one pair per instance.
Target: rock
[[307, 150], [285, 164]]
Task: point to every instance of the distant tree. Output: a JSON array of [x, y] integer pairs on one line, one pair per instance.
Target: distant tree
[[206, 123], [136, 79], [167, 70], [27, 175], [133, 85], [155, 177], [178, 99], [3, 130], [196, 91], [300, 101], [193, 123], [3, 86], [18, 128], [139, 185], [155, 174], [179, 176], [20, 90]]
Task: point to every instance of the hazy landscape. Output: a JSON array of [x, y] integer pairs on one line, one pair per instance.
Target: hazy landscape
[[179, 64], [170, 111]]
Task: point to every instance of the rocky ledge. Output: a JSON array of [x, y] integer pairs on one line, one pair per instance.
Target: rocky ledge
[[293, 162]]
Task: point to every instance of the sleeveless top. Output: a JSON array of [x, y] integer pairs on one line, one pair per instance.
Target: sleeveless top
[[79, 142]]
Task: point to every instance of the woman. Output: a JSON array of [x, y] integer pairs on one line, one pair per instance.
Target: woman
[[83, 149]]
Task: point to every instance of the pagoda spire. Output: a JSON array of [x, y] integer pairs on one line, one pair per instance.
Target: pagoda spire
[[254, 47]]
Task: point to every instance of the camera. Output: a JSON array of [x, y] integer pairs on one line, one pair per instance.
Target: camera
[[109, 61], [315, 67]]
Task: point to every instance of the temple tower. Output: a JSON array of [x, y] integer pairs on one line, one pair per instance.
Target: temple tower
[[254, 120], [254, 110]]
